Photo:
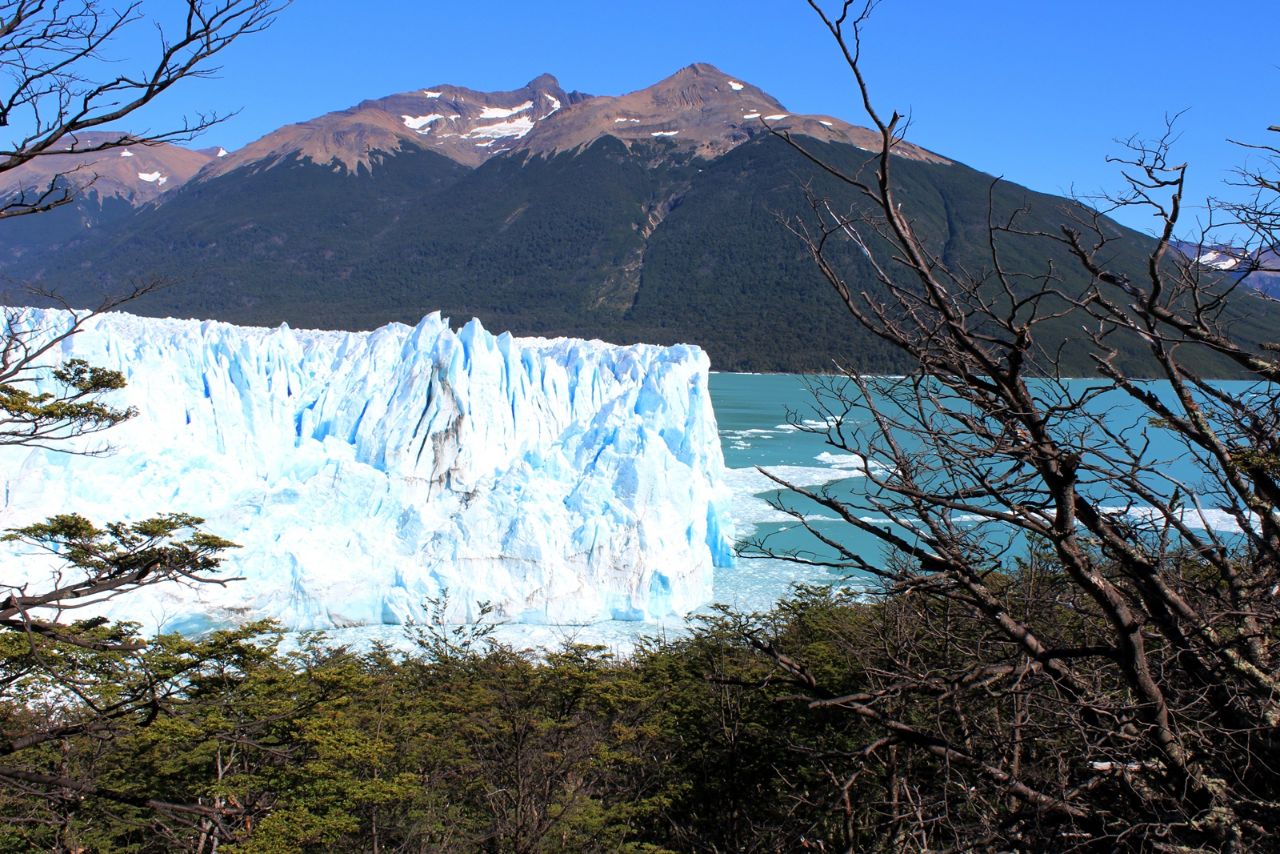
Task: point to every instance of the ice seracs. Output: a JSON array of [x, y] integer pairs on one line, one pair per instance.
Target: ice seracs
[[563, 481]]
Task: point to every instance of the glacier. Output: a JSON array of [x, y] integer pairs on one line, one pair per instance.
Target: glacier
[[362, 474]]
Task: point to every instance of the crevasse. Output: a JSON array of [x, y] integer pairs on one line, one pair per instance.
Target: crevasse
[[561, 481]]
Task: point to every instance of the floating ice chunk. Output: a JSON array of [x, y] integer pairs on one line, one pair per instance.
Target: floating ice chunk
[[846, 461]]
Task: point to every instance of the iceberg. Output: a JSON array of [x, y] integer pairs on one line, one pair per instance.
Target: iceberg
[[363, 474]]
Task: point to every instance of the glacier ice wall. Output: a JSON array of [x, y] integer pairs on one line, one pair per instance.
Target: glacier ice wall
[[562, 481]]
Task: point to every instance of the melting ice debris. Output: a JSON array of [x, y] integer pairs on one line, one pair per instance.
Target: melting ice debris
[[564, 481]]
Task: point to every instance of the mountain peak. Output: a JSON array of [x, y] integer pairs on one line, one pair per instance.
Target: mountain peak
[[698, 108], [543, 81], [699, 69]]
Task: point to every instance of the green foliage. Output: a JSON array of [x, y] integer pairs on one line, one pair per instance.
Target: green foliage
[[126, 549], [39, 416], [464, 744], [457, 745]]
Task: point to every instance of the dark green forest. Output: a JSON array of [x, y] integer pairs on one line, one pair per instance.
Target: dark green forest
[[642, 244]]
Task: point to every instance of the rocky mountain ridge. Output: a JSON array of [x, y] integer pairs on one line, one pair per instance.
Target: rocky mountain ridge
[[134, 172], [699, 111]]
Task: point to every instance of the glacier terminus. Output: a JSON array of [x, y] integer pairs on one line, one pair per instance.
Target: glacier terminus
[[364, 473]]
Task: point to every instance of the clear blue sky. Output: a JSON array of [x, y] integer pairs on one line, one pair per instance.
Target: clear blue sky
[[1034, 90]]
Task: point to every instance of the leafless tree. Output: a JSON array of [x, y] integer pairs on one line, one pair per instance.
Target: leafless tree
[[1105, 555], [61, 75]]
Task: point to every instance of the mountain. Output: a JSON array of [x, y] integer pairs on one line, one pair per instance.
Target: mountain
[[363, 473], [462, 124], [137, 173], [1259, 269], [654, 216]]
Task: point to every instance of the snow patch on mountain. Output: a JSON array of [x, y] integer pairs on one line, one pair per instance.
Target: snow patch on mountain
[[1218, 260], [153, 178], [563, 481], [419, 122], [516, 128], [505, 112]]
